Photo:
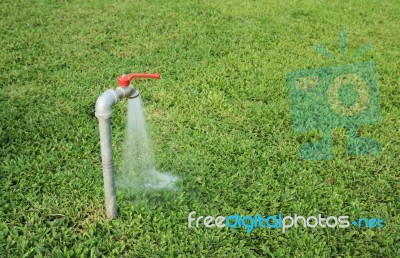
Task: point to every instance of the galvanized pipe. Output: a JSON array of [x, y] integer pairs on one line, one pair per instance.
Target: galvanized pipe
[[103, 113], [108, 167]]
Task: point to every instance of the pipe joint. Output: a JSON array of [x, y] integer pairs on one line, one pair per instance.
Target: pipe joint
[[111, 97], [104, 103]]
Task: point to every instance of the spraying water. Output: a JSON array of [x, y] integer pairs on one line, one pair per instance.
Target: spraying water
[[138, 166]]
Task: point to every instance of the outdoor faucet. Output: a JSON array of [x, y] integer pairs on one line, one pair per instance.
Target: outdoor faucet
[[103, 113]]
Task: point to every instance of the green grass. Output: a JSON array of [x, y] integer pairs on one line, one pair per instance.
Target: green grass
[[220, 112]]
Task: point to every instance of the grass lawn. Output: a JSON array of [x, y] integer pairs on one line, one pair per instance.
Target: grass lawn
[[219, 119]]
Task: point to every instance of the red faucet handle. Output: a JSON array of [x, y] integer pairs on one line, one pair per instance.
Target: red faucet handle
[[124, 80]]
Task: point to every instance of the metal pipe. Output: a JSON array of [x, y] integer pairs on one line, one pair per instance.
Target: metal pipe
[[103, 113]]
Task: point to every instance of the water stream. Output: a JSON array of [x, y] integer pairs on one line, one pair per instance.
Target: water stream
[[138, 165]]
